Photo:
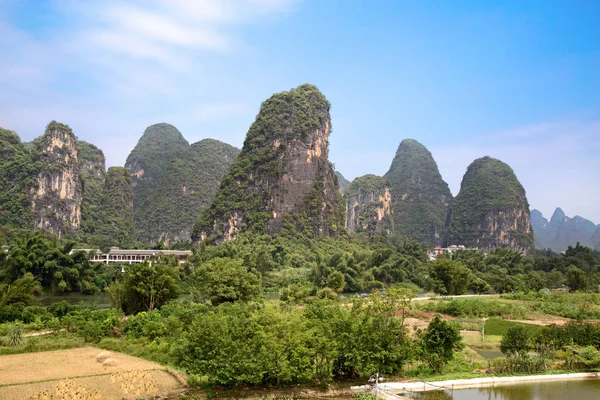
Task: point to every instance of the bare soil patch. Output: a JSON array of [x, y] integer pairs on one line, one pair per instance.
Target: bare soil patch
[[24, 375]]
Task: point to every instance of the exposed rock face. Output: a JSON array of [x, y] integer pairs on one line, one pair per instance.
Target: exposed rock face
[[281, 175], [187, 187], [491, 209], [57, 200], [420, 197], [17, 177], [562, 231], [147, 163], [369, 205], [92, 172]]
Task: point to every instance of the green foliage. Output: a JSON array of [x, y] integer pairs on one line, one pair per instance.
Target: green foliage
[[184, 187], [438, 343], [17, 178], [21, 291], [53, 264], [420, 195], [489, 188], [516, 341], [150, 285], [223, 280], [92, 174], [475, 308], [15, 335], [115, 225], [449, 277]]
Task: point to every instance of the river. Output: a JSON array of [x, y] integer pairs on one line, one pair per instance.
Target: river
[[587, 389]]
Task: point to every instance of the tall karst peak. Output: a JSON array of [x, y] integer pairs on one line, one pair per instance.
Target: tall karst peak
[[57, 200], [491, 209], [282, 174], [187, 186], [420, 196], [17, 178], [369, 205]]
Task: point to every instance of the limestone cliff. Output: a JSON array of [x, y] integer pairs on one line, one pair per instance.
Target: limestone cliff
[[92, 172], [157, 148], [115, 211], [491, 209], [369, 205], [420, 197], [18, 174], [56, 202], [282, 176], [187, 187], [343, 183]]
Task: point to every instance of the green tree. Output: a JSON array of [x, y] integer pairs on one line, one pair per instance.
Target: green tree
[[515, 341], [449, 277], [336, 281], [576, 279], [223, 280], [150, 285], [20, 291], [438, 343]]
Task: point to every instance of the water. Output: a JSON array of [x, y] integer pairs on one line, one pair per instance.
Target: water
[[588, 389], [489, 354], [101, 300]]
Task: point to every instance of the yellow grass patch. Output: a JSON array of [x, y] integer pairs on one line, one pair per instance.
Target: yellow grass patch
[[44, 376]]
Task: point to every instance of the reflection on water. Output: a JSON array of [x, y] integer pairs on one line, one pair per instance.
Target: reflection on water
[[575, 389]]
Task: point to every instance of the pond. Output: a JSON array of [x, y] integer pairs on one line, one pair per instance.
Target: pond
[[586, 389], [101, 300], [489, 354]]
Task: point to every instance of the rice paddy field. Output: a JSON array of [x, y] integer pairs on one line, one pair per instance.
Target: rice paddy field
[[76, 374]]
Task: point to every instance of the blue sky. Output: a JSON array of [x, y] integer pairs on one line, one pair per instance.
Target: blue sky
[[516, 80]]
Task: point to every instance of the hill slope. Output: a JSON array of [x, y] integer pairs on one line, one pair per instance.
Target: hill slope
[[420, 197], [281, 176]]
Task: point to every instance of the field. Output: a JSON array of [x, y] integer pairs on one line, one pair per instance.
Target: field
[[23, 376]]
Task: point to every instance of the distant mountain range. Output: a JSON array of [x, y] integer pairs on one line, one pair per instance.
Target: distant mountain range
[[563, 231]]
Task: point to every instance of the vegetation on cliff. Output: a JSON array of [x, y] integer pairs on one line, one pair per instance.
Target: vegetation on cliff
[[187, 186], [343, 183], [491, 209], [173, 181], [147, 163], [92, 172], [420, 196], [57, 201], [264, 189], [368, 203], [115, 223], [17, 179]]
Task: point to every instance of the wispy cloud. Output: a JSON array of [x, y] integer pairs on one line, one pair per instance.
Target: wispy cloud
[[110, 68]]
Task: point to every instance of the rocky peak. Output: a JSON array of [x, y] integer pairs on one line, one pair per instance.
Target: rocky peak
[[282, 173], [420, 197], [491, 209], [369, 205], [57, 201]]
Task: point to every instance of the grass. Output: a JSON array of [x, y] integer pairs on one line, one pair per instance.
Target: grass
[[495, 326]]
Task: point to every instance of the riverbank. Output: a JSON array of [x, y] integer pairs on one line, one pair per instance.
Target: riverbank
[[409, 387]]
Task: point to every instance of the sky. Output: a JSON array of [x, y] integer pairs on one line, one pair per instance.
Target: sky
[[514, 80]]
